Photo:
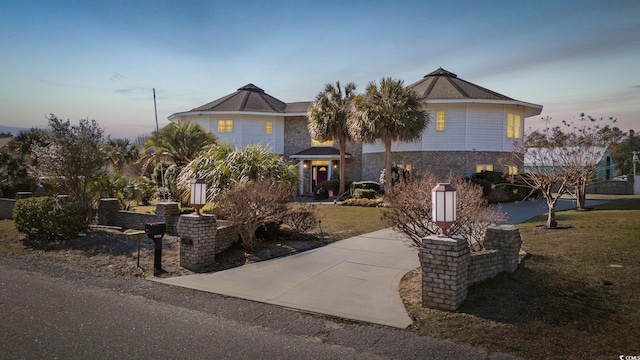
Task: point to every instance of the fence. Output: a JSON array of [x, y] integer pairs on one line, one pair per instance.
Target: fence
[[6, 205]]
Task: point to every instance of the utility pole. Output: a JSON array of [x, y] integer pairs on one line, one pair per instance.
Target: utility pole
[[155, 108]]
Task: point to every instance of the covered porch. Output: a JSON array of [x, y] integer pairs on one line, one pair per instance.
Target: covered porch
[[315, 165]]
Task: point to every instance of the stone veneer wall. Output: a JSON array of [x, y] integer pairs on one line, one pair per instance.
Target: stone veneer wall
[[201, 238], [448, 268], [226, 235], [109, 214], [461, 163]]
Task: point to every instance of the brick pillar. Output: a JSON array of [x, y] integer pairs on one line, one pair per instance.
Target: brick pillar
[[108, 211], [506, 239], [197, 241], [168, 212], [444, 262]]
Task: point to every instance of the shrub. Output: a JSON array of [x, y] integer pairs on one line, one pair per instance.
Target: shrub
[[48, 218], [409, 210], [398, 174], [269, 231], [361, 202], [211, 208], [253, 204], [302, 219], [321, 191], [371, 185], [321, 194], [488, 180], [497, 187], [364, 194]]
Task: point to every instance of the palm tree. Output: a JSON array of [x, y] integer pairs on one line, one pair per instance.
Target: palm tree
[[389, 112], [121, 152], [178, 143], [328, 119]]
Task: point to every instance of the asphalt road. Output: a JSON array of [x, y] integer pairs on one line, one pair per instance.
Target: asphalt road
[[55, 312]]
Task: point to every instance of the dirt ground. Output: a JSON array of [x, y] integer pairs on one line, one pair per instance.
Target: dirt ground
[[109, 250]]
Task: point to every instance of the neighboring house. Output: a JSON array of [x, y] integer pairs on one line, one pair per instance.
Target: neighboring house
[[473, 129], [537, 159]]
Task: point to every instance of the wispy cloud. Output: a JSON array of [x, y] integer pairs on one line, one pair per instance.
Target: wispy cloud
[[117, 76], [636, 87]]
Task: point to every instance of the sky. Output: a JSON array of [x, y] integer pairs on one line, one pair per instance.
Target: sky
[[102, 59]]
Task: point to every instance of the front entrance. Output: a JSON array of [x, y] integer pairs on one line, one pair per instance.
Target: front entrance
[[319, 174]]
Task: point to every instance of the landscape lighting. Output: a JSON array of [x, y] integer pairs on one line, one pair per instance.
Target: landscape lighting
[[443, 206], [198, 194]]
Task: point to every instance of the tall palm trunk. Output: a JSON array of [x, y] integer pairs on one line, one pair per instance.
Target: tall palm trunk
[[387, 169], [343, 151]]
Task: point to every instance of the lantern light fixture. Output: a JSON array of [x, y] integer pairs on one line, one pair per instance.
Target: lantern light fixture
[[443, 206], [198, 194]]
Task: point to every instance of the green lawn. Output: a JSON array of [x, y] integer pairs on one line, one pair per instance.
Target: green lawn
[[557, 306], [341, 222]]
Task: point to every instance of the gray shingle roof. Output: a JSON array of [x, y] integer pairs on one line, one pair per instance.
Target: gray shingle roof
[[442, 84], [247, 98], [298, 107]]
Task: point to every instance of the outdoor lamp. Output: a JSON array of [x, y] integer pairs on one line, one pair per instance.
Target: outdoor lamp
[[198, 194], [443, 206]]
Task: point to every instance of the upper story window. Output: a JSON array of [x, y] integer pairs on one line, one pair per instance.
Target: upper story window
[[514, 126], [321, 143], [484, 167], [268, 127], [225, 126], [440, 117]]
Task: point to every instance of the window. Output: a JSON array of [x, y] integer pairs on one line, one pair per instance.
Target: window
[[484, 167], [514, 126], [225, 126], [513, 170], [321, 143], [440, 116], [268, 127]]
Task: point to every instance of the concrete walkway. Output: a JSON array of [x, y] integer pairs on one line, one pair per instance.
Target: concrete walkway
[[356, 278]]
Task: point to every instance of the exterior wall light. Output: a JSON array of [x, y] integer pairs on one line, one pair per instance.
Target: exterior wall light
[[443, 206], [198, 194]]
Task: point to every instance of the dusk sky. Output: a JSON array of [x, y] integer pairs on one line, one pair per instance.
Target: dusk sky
[[100, 60]]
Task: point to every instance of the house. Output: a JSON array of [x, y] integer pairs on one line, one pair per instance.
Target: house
[[546, 160], [473, 129]]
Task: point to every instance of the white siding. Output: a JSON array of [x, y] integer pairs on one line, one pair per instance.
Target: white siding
[[486, 126], [247, 129], [468, 127], [454, 135]]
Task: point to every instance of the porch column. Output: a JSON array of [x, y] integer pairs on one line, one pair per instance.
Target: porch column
[[301, 183], [329, 169]]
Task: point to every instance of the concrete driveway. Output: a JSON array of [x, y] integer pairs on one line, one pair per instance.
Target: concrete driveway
[[355, 278]]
